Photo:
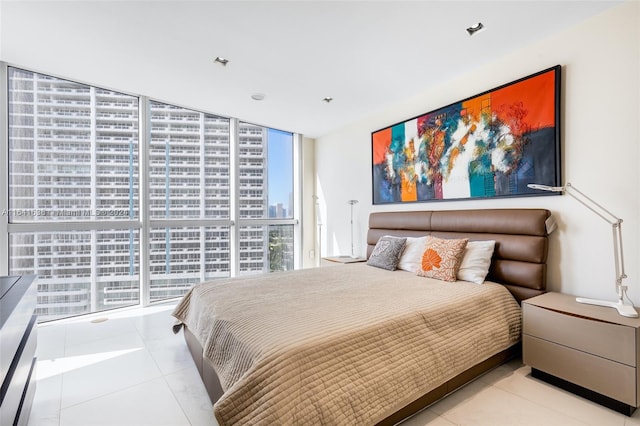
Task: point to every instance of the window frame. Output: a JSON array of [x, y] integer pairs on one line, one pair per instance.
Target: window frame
[[144, 223]]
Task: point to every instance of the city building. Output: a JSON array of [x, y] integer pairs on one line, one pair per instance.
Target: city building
[[74, 157]]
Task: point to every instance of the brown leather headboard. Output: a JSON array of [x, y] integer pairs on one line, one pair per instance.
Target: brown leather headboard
[[520, 256]]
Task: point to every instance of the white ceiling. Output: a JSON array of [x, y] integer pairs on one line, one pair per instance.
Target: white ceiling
[[365, 54]]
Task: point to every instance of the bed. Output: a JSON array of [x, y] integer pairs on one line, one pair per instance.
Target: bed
[[356, 344]]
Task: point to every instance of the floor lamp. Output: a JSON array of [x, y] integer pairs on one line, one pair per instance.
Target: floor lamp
[[352, 202], [319, 224], [623, 308]]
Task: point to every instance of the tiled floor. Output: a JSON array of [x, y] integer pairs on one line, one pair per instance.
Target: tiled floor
[[128, 370], [132, 370]]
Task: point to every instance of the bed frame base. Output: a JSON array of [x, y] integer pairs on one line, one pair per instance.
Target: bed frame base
[[207, 373], [214, 389]]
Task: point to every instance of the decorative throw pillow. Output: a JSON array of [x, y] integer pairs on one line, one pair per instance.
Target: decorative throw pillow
[[386, 253], [476, 261], [441, 258], [412, 254]]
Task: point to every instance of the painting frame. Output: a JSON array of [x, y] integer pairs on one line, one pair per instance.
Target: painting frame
[[489, 145]]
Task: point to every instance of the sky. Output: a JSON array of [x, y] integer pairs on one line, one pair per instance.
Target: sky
[[280, 153]]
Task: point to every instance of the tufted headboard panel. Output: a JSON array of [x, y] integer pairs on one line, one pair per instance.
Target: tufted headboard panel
[[520, 257]]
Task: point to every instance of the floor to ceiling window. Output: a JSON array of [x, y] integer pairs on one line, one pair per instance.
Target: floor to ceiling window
[[107, 218], [189, 183], [266, 193], [73, 193]]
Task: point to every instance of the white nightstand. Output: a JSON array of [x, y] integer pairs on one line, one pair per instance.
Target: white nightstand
[[588, 350]]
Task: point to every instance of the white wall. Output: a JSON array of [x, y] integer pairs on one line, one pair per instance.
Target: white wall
[[600, 133], [1, 11], [635, 280]]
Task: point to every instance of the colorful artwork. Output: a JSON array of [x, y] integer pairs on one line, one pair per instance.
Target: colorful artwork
[[489, 145]]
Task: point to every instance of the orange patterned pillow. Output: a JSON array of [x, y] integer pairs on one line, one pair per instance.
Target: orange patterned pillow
[[442, 258]]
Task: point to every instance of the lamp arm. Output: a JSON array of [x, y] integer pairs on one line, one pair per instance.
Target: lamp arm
[[616, 226], [590, 203], [619, 255]]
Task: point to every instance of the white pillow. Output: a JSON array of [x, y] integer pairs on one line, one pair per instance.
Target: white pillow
[[412, 254], [476, 261]]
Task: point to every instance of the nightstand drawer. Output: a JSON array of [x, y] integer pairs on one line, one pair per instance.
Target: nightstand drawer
[[610, 378], [612, 341]]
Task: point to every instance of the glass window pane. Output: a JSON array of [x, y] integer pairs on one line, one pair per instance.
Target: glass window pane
[[73, 156], [280, 173], [266, 249], [73, 150], [252, 170], [183, 256], [189, 163], [266, 172], [78, 272]]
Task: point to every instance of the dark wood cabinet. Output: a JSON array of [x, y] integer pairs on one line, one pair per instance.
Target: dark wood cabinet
[[18, 334]]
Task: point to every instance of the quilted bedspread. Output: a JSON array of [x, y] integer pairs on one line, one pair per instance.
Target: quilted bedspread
[[346, 344]]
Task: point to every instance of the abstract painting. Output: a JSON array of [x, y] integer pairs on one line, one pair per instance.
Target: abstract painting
[[489, 145]]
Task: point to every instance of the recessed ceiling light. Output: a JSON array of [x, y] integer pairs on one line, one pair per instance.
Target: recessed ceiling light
[[258, 96], [222, 61], [327, 99], [475, 28]]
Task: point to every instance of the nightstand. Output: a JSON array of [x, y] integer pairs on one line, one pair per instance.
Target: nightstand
[[589, 350]]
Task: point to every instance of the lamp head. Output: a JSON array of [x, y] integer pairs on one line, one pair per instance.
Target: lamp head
[[546, 187]]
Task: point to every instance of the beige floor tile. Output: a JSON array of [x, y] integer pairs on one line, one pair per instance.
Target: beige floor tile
[[192, 396], [51, 341], [427, 418], [46, 402], [106, 372], [147, 404], [87, 330], [634, 420], [521, 383], [480, 404], [170, 354], [157, 324]]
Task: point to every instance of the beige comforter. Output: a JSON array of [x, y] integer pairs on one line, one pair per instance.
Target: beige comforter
[[347, 344]]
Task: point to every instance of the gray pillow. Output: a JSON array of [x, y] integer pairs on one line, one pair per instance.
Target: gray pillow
[[386, 254]]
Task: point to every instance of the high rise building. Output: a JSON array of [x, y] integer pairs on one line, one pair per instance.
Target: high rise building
[[74, 157], [189, 178], [253, 201]]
